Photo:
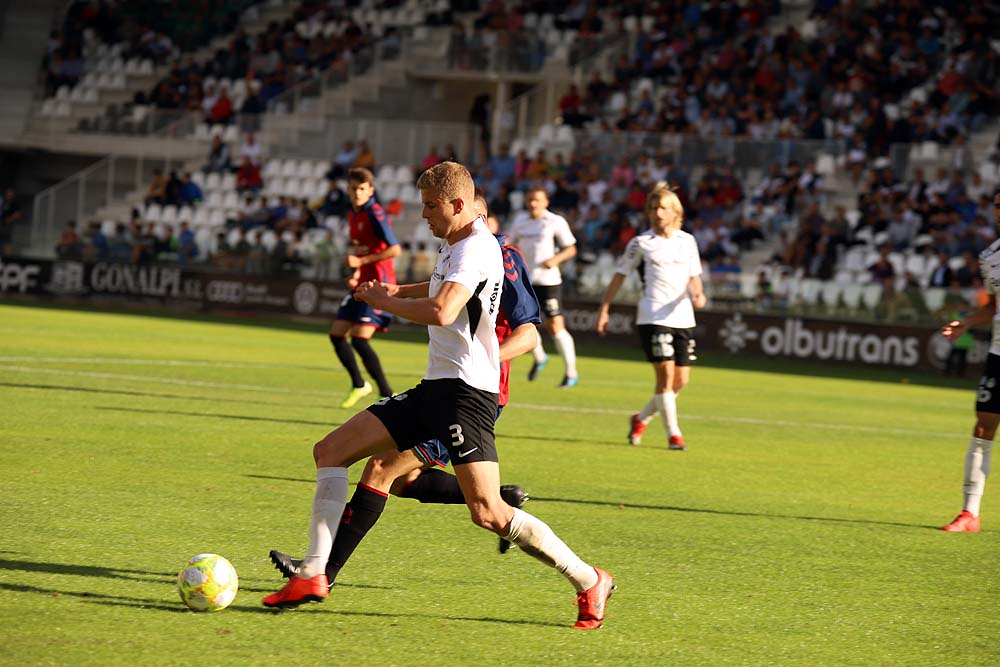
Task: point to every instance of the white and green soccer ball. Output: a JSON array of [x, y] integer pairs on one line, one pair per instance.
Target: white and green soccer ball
[[208, 583]]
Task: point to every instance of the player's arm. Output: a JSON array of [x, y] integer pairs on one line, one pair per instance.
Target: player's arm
[[411, 291], [977, 318], [564, 255], [439, 310], [697, 292], [355, 261], [522, 339], [609, 295]]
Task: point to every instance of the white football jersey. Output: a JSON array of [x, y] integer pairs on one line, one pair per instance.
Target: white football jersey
[[538, 239], [467, 349], [666, 266], [989, 267]]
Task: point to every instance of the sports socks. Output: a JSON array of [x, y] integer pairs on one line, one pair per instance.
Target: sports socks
[[360, 516], [567, 350], [346, 356], [539, 351], [537, 540], [327, 508], [649, 410], [666, 405], [977, 469], [435, 486], [374, 367]]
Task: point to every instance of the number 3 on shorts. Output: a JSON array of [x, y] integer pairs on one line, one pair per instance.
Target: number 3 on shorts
[[456, 435]]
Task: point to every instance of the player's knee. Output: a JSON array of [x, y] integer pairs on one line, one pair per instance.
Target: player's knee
[[361, 345], [486, 516], [376, 473]]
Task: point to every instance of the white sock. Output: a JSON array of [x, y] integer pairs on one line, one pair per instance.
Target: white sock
[[537, 540], [327, 508], [667, 405], [567, 349], [977, 469], [539, 350], [649, 410]]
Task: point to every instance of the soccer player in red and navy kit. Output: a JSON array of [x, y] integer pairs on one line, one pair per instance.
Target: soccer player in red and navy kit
[[418, 473], [373, 247]]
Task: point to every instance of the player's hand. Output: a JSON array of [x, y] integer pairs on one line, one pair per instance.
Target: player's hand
[[953, 329], [699, 300], [371, 292], [549, 263], [353, 261], [354, 280], [602, 321]]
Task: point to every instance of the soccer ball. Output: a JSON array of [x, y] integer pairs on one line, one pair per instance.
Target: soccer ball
[[208, 583]]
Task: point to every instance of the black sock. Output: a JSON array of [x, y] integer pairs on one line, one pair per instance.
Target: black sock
[[435, 486], [360, 515], [346, 356], [372, 364]]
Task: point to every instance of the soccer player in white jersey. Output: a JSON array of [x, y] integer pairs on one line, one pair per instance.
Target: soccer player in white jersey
[[670, 267], [980, 453], [456, 402], [546, 242]]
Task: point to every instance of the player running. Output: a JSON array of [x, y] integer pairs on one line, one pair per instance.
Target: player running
[[670, 268], [539, 233], [455, 403], [373, 247], [417, 473]]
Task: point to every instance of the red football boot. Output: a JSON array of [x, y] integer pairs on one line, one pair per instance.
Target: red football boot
[[963, 523], [677, 443], [592, 602], [636, 429], [298, 591]]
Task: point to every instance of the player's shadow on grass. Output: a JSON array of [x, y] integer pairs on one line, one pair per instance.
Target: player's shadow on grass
[[216, 415], [83, 570], [148, 394], [179, 608], [697, 510]]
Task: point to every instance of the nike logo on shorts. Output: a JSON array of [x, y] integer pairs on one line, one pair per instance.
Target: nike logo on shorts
[[464, 454]]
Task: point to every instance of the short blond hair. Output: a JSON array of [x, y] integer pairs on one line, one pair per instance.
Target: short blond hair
[[664, 190], [451, 180]]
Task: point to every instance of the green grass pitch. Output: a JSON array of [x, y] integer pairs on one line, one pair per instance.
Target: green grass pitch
[[799, 529]]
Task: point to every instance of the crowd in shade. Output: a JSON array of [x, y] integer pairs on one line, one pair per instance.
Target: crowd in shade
[[152, 31]]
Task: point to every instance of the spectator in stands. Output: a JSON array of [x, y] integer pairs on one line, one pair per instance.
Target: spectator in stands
[[571, 108], [251, 149], [191, 194], [221, 111], [343, 161], [173, 193], [156, 191], [120, 244], [248, 178], [69, 246], [480, 119], [218, 157], [335, 201], [882, 271], [965, 275], [365, 156], [95, 244], [432, 158], [187, 248]]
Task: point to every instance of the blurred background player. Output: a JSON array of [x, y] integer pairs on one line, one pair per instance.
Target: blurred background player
[[417, 473], [373, 247], [980, 453], [670, 267], [546, 241]]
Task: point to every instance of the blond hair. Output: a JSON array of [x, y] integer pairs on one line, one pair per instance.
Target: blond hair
[[451, 180], [664, 190]]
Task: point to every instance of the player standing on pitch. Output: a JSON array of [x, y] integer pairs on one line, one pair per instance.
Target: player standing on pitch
[[538, 233], [670, 268], [978, 456], [373, 247]]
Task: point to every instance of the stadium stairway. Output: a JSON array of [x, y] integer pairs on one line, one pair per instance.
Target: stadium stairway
[[25, 29]]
